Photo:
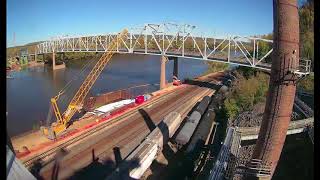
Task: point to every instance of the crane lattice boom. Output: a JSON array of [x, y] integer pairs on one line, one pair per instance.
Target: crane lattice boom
[[78, 99]]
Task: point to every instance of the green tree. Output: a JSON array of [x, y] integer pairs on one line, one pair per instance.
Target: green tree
[[247, 93], [306, 19], [231, 107], [307, 84], [247, 72]]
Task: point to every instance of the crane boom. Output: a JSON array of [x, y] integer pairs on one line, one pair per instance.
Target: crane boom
[[78, 99]]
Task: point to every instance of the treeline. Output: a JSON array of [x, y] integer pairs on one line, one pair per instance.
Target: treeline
[[73, 58], [250, 88], [307, 84], [306, 28], [15, 51], [306, 15]]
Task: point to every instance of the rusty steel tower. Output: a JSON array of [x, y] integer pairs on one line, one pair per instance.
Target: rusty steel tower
[[282, 87]]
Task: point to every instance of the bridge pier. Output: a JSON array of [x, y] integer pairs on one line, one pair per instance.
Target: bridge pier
[[53, 60], [43, 57], [175, 67], [54, 66], [163, 61]]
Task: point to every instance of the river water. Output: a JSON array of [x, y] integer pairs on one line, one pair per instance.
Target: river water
[[30, 90]]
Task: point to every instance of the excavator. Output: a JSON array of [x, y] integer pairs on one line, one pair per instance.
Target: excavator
[[63, 120]]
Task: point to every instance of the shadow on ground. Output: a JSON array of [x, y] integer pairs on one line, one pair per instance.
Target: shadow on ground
[[97, 169], [102, 169]]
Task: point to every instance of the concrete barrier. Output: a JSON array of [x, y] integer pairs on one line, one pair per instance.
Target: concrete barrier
[[147, 151]]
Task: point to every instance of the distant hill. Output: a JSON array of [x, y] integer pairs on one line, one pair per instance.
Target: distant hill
[[33, 43], [15, 51]]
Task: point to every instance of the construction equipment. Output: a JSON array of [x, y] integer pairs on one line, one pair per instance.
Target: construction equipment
[[63, 120]]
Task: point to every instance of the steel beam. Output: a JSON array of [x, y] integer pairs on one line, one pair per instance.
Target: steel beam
[[176, 67]]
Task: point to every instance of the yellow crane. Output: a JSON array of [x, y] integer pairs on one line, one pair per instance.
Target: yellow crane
[[76, 103]]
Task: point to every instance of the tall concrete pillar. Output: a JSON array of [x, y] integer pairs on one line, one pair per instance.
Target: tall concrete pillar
[[282, 88], [53, 60], [54, 65], [163, 72], [175, 67]]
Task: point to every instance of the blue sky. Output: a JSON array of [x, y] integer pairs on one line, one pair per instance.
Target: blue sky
[[35, 20]]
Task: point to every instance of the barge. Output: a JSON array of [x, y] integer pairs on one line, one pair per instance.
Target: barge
[[98, 109]]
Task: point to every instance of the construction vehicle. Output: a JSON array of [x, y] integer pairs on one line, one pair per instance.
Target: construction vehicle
[[63, 120]]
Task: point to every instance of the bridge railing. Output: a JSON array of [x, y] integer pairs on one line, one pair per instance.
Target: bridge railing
[[174, 40], [298, 124], [226, 161], [304, 65], [220, 165]]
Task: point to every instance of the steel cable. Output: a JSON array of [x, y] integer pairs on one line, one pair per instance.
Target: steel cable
[[75, 77]]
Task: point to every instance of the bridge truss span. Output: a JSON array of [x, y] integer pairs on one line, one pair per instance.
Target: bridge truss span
[[177, 40]]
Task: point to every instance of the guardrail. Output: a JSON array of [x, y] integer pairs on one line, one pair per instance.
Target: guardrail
[[224, 165], [250, 133]]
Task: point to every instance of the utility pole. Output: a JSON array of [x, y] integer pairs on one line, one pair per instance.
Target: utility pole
[[14, 39], [14, 42]]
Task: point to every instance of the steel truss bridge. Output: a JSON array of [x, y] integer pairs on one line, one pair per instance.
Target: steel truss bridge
[[176, 40]]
